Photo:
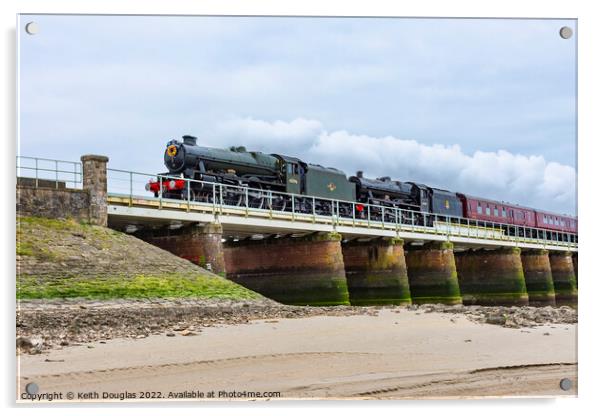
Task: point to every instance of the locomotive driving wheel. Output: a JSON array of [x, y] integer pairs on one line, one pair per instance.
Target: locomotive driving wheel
[[256, 197], [233, 198], [276, 202]]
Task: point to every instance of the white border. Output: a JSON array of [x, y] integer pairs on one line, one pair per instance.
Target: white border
[[590, 68]]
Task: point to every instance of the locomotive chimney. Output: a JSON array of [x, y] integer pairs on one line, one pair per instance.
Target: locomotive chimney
[[360, 174], [189, 140]]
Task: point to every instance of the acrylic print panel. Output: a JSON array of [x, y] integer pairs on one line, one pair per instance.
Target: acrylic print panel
[[262, 208]]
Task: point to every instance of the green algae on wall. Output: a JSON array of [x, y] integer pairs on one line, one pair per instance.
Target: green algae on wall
[[376, 272], [565, 282], [296, 271], [538, 277], [432, 274], [492, 277]]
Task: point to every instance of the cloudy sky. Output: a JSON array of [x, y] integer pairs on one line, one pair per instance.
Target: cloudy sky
[[485, 107]]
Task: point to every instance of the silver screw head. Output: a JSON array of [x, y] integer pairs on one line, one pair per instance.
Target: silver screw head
[[566, 32], [32, 388], [31, 28], [566, 384]]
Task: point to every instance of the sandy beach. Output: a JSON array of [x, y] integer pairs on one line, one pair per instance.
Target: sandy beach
[[395, 353]]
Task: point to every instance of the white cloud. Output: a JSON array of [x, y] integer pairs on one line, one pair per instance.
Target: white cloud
[[527, 180], [277, 136]]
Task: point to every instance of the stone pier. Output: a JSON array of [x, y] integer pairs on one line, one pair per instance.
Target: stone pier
[[297, 271], [432, 273], [492, 277], [199, 243], [576, 269], [376, 272], [94, 181], [538, 277], [565, 282]]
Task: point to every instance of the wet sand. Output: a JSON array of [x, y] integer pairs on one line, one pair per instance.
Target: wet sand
[[398, 353]]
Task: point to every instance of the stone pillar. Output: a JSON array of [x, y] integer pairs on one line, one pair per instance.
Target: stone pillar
[[538, 277], [492, 277], [565, 282], [294, 271], [576, 269], [376, 272], [432, 274], [199, 243], [94, 181]]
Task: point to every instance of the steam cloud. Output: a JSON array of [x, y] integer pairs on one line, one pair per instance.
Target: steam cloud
[[526, 180]]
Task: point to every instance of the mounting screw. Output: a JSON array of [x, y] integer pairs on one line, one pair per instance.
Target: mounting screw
[[31, 28], [566, 32], [566, 384], [32, 388]]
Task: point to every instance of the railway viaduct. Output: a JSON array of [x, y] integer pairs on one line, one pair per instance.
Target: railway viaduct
[[311, 259]]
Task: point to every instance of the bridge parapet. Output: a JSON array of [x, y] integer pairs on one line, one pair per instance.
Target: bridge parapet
[[61, 189]]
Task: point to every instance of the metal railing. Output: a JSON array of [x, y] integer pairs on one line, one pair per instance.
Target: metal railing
[[220, 199], [49, 172]]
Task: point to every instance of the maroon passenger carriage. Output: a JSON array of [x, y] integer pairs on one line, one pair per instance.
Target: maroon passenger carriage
[[521, 220], [551, 221]]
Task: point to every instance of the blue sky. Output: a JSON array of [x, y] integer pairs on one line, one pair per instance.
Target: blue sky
[[485, 107]]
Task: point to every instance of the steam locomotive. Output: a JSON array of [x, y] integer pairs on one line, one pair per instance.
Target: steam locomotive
[[260, 180]]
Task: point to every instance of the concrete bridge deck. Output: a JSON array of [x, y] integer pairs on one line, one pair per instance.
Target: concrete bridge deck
[[240, 222]]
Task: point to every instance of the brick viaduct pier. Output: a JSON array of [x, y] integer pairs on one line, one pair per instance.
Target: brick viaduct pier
[[316, 261]]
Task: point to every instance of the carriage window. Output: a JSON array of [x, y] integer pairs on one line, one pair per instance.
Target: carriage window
[[545, 219], [488, 210], [479, 208], [495, 212], [557, 222], [504, 212]]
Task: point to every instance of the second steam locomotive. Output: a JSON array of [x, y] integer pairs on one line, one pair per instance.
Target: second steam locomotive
[[260, 180]]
